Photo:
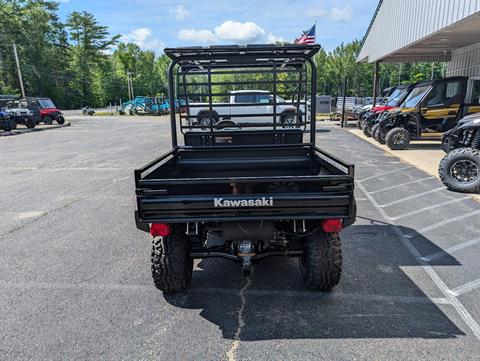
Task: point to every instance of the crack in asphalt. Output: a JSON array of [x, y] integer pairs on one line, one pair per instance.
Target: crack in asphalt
[[232, 350]]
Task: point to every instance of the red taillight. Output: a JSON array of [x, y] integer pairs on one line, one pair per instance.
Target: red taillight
[[159, 230], [332, 225]]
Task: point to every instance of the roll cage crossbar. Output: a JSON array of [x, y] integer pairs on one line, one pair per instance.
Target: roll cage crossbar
[[201, 71]]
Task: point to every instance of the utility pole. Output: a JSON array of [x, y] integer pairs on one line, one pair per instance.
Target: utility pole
[[19, 71], [375, 84], [344, 122], [130, 85], [399, 73]]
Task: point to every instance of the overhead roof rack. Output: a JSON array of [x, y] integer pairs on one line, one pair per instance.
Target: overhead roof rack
[[228, 56], [206, 75]]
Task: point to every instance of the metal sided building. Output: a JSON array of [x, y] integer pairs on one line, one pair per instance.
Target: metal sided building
[[406, 31]]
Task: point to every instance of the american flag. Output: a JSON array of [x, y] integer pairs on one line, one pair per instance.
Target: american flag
[[307, 37]]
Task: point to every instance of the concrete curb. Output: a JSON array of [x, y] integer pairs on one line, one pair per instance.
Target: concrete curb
[[28, 130]]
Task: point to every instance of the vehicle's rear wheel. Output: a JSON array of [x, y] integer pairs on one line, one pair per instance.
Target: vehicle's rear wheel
[[206, 122], [289, 120], [30, 123], [9, 124], [366, 129], [459, 170], [171, 262], [207, 119], [47, 120], [378, 134], [397, 138], [321, 265], [61, 119]]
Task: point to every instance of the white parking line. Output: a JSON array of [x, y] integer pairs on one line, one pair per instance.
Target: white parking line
[[411, 197], [377, 163], [459, 307], [73, 286], [424, 209], [466, 287], [401, 185], [56, 169], [451, 250], [447, 221], [382, 174]]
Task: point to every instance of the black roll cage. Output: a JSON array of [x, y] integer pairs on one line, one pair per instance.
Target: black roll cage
[[242, 59]]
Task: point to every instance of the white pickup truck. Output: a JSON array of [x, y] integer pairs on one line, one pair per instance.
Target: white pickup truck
[[238, 112]]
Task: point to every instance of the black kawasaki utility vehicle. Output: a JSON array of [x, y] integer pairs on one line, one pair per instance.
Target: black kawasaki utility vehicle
[[247, 190], [459, 170]]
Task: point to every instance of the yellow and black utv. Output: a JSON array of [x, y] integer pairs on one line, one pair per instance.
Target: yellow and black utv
[[431, 109]]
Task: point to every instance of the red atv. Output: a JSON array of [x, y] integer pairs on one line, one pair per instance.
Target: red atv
[[44, 110]]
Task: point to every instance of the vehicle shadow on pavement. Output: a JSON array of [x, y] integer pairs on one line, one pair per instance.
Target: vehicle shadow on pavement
[[376, 298]]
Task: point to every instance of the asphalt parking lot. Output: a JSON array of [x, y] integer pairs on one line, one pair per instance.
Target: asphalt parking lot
[[75, 272]]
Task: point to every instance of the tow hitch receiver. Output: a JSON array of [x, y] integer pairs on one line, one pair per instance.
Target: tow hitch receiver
[[246, 252]]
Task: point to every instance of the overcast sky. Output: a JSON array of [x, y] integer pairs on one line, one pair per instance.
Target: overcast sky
[[155, 24]]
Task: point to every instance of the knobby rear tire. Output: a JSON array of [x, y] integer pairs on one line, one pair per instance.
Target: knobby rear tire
[[378, 134], [9, 125], [445, 169], [172, 265], [321, 265], [366, 130], [30, 123], [397, 138]]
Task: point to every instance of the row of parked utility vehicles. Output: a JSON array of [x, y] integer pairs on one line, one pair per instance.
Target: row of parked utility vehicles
[[28, 112], [142, 105], [432, 110]]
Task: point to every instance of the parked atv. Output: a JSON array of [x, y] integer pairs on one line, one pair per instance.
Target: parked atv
[[88, 111], [6, 122], [394, 100], [431, 109], [44, 110], [368, 110], [19, 112], [459, 169]]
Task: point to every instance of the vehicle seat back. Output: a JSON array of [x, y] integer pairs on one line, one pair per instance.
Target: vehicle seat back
[[243, 137]]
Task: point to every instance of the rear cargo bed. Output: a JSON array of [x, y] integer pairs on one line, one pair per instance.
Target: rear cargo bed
[[209, 184], [251, 162]]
